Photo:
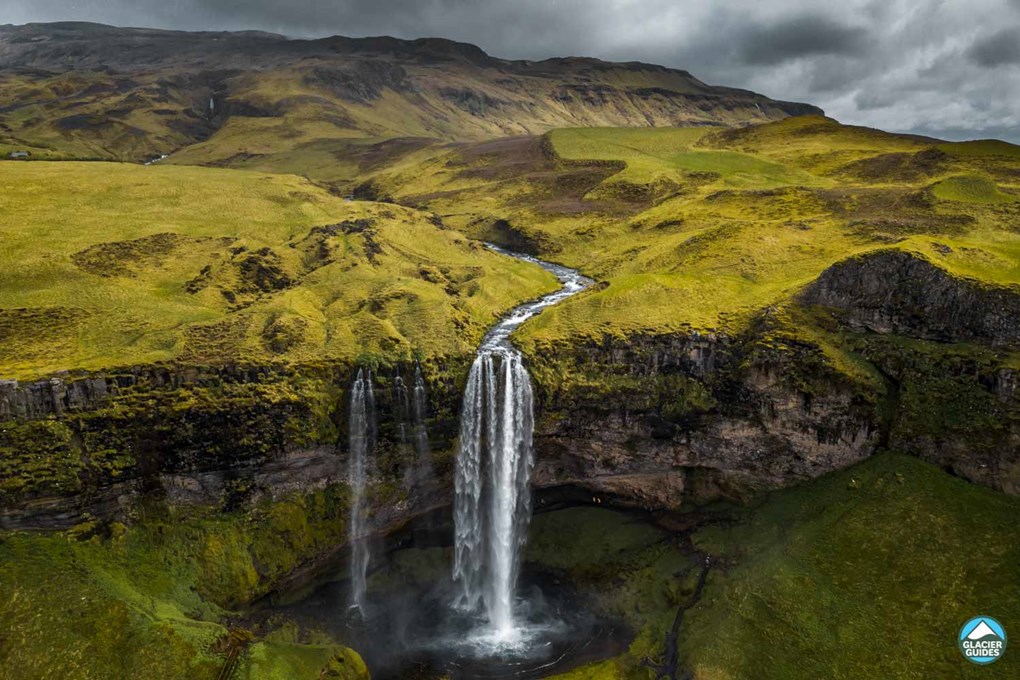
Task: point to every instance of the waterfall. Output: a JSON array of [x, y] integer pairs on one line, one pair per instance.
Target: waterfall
[[401, 407], [410, 409], [419, 432], [492, 499], [361, 445], [492, 505]]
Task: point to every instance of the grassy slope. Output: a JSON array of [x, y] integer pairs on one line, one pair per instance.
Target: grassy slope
[[154, 600], [769, 223], [872, 569], [80, 251], [866, 573], [703, 228]]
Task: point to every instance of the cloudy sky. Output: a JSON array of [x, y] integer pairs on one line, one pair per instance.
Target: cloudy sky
[[945, 67]]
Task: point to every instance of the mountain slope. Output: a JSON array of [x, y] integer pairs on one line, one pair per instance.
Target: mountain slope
[[262, 101]]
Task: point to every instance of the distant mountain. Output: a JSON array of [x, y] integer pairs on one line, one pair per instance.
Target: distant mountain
[[89, 90]]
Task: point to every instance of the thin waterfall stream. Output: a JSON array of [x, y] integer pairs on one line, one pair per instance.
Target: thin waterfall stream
[[420, 434], [492, 504], [361, 445]]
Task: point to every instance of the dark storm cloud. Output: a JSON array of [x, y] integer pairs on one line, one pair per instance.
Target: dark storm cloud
[[801, 37], [1002, 47], [905, 65]]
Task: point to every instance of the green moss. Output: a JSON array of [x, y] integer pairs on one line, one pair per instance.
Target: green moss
[[277, 660], [810, 582], [285, 272], [971, 189], [942, 390], [817, 580], [605, 670], [151, 600], [38, 458]]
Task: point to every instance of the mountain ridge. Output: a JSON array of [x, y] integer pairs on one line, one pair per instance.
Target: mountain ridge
[[73, 90]]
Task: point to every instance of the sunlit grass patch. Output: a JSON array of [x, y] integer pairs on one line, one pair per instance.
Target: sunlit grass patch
[[122, 264], [971, 189]]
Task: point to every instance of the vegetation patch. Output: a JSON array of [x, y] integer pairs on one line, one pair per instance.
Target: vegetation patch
[[194, 264], [808, 582], [972, 189], [811, 581], [148, 600], [125, 258]]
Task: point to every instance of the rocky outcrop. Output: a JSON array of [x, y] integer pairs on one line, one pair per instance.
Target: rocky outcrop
[[92, 445], [78, 392], [894, 291], [697, 418]]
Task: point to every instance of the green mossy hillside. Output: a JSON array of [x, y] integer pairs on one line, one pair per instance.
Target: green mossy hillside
[[155, 599], [114, 265], [865, 573], [701, 228]]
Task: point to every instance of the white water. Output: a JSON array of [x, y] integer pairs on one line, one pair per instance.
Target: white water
[[419, 432], [361, 443], [410, 408], [492, 506]]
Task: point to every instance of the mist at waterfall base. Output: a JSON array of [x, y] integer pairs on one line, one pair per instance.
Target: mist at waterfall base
[[485, 619], [411, 630]]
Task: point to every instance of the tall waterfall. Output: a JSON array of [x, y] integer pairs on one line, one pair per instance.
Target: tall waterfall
[[361, 445], [492, 503]]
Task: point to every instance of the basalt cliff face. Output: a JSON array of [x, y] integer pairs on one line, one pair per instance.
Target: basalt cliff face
[[699, 418], [923, 366], [900, 293], [652, 421], [80, 446]]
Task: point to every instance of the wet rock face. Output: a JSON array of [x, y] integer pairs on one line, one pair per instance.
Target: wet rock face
[[902, 293], [82, 445], [651, 422], [747, 431]]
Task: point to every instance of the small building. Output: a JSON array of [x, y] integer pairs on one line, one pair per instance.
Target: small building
[[19, 154]]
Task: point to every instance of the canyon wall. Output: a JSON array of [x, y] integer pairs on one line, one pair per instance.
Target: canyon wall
[[647, 421]]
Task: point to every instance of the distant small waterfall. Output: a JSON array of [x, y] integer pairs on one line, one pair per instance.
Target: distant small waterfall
[[410, 408], [419, 430], [401, 407], [493, 503], [361, 446]]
